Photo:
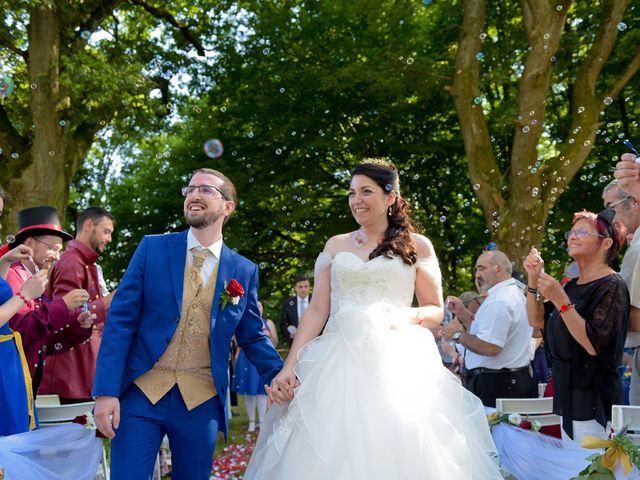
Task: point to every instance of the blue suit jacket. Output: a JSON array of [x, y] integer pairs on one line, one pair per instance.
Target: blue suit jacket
[[145, 312]]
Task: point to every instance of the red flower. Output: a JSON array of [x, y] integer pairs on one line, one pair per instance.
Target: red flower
[[80, 420], [234, 288], [525, 424]]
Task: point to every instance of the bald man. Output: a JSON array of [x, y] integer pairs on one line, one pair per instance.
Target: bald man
[[497, 337]]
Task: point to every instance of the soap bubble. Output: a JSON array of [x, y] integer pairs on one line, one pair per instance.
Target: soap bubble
[[213, 148]]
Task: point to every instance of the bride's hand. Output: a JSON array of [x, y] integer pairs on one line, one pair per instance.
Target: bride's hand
[[282, 387]]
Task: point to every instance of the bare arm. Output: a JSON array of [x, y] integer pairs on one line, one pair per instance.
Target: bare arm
[[32, 288], [479, 346], [534, 265], [309, 327], [634, 319], [314, 317], [430, 311]]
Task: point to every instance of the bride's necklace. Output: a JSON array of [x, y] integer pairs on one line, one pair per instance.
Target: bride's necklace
[[360, 238]]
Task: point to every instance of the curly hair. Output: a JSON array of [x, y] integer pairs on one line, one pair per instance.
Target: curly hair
[[397, 238]]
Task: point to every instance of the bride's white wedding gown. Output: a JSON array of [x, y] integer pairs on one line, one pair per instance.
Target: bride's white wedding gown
[[375, 401]]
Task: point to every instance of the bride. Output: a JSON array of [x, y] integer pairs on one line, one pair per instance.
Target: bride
[[370, 398]]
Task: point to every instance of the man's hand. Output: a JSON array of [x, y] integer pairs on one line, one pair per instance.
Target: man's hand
[[628, 174], [85, 319], [107, 415], [75, 298], [455, 305], [448, 330], [282, 386]]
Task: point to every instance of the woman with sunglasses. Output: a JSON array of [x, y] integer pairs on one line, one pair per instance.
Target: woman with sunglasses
[[584, 323]]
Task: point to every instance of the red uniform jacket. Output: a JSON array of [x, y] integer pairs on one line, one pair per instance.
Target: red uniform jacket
[[70, 374], [47, 327]]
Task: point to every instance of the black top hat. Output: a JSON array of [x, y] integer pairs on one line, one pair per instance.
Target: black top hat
[[37, 221]]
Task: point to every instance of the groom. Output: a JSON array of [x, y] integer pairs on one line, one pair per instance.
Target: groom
[[162, 366]]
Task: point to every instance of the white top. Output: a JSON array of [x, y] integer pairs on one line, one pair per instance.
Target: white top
[[502, 321], [630, 272], [210, 261]]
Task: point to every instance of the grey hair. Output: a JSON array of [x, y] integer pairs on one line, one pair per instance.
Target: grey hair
[[501, 260], [619, 192]]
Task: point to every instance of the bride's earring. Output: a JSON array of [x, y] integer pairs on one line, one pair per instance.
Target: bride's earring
[[390, 212]]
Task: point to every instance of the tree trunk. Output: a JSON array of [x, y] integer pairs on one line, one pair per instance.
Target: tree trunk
[[42, 180], [516, 203]]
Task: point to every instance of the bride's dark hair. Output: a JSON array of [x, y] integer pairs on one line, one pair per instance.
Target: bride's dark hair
[[397, 239]]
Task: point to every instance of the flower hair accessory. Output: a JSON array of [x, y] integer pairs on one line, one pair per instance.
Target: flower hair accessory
[[232, 293], [381, 162]]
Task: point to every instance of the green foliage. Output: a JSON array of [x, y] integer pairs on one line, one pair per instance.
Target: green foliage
[[299, 92]]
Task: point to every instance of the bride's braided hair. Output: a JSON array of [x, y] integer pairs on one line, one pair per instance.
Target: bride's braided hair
[[397, 239]]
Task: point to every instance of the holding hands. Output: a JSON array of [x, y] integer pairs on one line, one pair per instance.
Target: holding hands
[[282, 386], [85, 319]]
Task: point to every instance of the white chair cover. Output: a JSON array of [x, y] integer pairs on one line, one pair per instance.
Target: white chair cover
[[56, 453], [531, 456]]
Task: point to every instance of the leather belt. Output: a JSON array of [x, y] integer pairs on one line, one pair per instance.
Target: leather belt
[[479, 370]]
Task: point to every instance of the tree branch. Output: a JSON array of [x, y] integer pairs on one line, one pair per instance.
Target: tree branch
[[7, 42], [163, 85], [596, 59], [169, 18], [629, 72], [586, 106]]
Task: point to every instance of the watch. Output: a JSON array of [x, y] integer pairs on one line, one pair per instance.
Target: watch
[[456, 336]]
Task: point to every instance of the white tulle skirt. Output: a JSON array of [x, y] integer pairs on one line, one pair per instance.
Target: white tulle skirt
[[375, 402]]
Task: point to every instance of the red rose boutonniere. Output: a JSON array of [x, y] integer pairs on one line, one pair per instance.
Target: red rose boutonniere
[[231, 293]]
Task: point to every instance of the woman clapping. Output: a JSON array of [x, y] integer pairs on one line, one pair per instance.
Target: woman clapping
[[585, 324]]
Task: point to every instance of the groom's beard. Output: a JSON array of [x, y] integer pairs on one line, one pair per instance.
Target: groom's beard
[[203, 221]]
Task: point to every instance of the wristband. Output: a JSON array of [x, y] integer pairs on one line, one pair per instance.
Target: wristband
[[23, 298], [535, 291], [564, 308]]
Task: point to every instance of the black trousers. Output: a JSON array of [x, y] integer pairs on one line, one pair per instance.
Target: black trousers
[[489, 385]]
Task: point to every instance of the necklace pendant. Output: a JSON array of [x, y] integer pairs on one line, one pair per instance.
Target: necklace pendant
[[359, 238]]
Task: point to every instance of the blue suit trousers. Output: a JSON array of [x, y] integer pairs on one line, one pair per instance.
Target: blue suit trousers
[[192, 436]]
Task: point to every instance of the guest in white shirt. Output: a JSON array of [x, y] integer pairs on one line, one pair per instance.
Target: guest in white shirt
[[497, 337]]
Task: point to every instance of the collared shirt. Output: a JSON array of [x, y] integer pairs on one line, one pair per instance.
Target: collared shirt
[[502, 320], [630, 272], [210, 261]]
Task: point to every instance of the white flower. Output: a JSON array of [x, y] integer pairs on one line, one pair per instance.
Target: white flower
[[536, 426], [235, 300], [515, 418]]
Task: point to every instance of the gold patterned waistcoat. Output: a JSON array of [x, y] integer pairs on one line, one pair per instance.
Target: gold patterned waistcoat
[[187, 360]]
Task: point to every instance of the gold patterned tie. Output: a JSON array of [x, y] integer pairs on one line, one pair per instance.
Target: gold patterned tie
[[199, 254]]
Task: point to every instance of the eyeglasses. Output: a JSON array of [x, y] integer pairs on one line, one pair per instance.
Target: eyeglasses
[[611, 205], [55, 248], [206, 190], [581, 233]]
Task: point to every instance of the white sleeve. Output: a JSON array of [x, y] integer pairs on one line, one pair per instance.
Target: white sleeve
[[431, 267], [323, 261]]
